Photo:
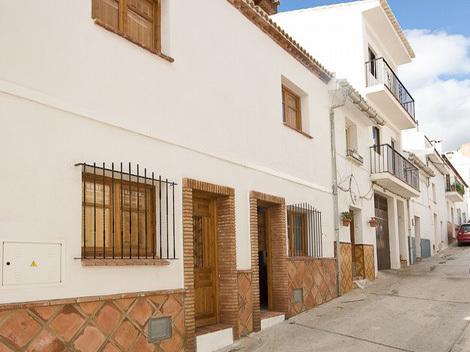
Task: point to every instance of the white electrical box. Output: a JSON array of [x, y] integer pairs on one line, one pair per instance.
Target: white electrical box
[[30, 263]]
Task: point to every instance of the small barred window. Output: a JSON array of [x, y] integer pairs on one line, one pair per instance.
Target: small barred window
[[304, 229], [127, 215]]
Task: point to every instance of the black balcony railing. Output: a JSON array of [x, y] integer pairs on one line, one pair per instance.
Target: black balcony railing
[[383, 158], [378, 71]]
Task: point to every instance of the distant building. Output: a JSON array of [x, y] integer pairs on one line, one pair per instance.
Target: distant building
[[461, 160]]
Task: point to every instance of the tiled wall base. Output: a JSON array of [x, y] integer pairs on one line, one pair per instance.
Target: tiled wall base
[[317, 278], [346, 267], [365, 261], [109, 324], [245, 303]]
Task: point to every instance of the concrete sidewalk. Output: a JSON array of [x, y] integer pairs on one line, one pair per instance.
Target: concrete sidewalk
[[424, 308]]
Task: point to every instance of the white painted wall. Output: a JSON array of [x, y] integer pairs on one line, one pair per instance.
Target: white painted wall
[[339, 36], [426, 206], [354, 179], [333, 34], [71, 91], [461, 161]]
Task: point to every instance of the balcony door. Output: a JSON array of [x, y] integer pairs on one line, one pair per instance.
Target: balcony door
[[373, 63]]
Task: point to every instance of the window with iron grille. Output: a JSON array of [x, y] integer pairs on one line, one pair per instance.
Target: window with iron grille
[[127, 215], [304, 228]]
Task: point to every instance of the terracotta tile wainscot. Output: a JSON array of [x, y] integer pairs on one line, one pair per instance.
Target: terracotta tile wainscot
[[114, 323], [317, 279]]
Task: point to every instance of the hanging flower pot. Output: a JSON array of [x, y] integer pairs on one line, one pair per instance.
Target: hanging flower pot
[[346, 218], [374, 222]]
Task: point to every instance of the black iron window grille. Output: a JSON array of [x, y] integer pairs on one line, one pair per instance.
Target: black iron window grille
[[304, 228], [126, 213]]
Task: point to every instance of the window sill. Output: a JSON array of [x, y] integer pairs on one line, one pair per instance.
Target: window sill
[[153, 51], [355, 160], [125, 262], [298, 131], [308, 258]]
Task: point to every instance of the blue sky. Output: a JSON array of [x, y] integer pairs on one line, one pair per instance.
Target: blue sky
[[452, 16]]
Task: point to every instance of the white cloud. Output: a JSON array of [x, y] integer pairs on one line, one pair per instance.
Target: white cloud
[[442, 98]]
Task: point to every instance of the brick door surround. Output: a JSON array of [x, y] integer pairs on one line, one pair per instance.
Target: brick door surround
[[279, 255], [226, 247]]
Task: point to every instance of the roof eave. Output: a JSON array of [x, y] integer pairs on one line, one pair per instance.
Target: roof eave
[[397, 27]]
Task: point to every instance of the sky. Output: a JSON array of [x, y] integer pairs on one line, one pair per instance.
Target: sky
[[439, 77]]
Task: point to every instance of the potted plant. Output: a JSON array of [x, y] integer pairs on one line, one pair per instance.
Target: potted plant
[[373, 222], [346, 218]]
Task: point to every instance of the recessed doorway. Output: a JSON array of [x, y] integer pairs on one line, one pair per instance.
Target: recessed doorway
[[269, 256], [382, 233], [264, 259]]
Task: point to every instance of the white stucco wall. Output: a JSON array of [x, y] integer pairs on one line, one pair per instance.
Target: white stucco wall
[[71, 92], [461, 161], [426, 206], [355, 190], [333, 34]]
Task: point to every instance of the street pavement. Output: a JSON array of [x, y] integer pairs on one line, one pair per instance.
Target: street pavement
[[423, 308]]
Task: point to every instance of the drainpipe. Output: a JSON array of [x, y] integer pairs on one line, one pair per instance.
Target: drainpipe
[[410, 246], [344, 95]]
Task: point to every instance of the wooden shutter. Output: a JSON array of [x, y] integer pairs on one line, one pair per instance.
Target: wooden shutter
[[107, 13], [127, 226], [141, 22], [137, 20], [291, 105]]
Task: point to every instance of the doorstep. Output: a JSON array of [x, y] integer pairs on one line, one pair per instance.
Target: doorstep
[[361, 283], [269, 319], [213, 337]]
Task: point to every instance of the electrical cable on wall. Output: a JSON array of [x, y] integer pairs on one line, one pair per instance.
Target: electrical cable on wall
[[351, 178]]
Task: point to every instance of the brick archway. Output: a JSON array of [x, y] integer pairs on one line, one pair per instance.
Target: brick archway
[[226, 247], [279, 254]]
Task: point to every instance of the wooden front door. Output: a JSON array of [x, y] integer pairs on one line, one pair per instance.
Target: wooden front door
[[205, 261], [382, 233]]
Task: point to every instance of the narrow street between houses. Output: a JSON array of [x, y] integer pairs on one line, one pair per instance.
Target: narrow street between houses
[[424, 308]]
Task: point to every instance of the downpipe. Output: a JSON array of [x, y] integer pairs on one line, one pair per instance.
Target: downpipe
[[335, 200], [334, 170]]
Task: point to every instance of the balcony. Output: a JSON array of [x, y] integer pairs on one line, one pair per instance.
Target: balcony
[[393, 171], [386, 91], [455, 192]]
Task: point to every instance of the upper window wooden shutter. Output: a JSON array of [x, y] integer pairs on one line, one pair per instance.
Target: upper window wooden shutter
[[107, 12], [291, 105], [141, 23], [137, 20]]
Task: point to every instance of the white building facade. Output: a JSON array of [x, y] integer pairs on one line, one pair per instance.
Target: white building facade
[[170, 186], [457, 198], [429, 213], [461, 160], [366, 47], [163, 177]]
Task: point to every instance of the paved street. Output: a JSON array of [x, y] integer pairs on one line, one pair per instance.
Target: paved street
[[424, 308]]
